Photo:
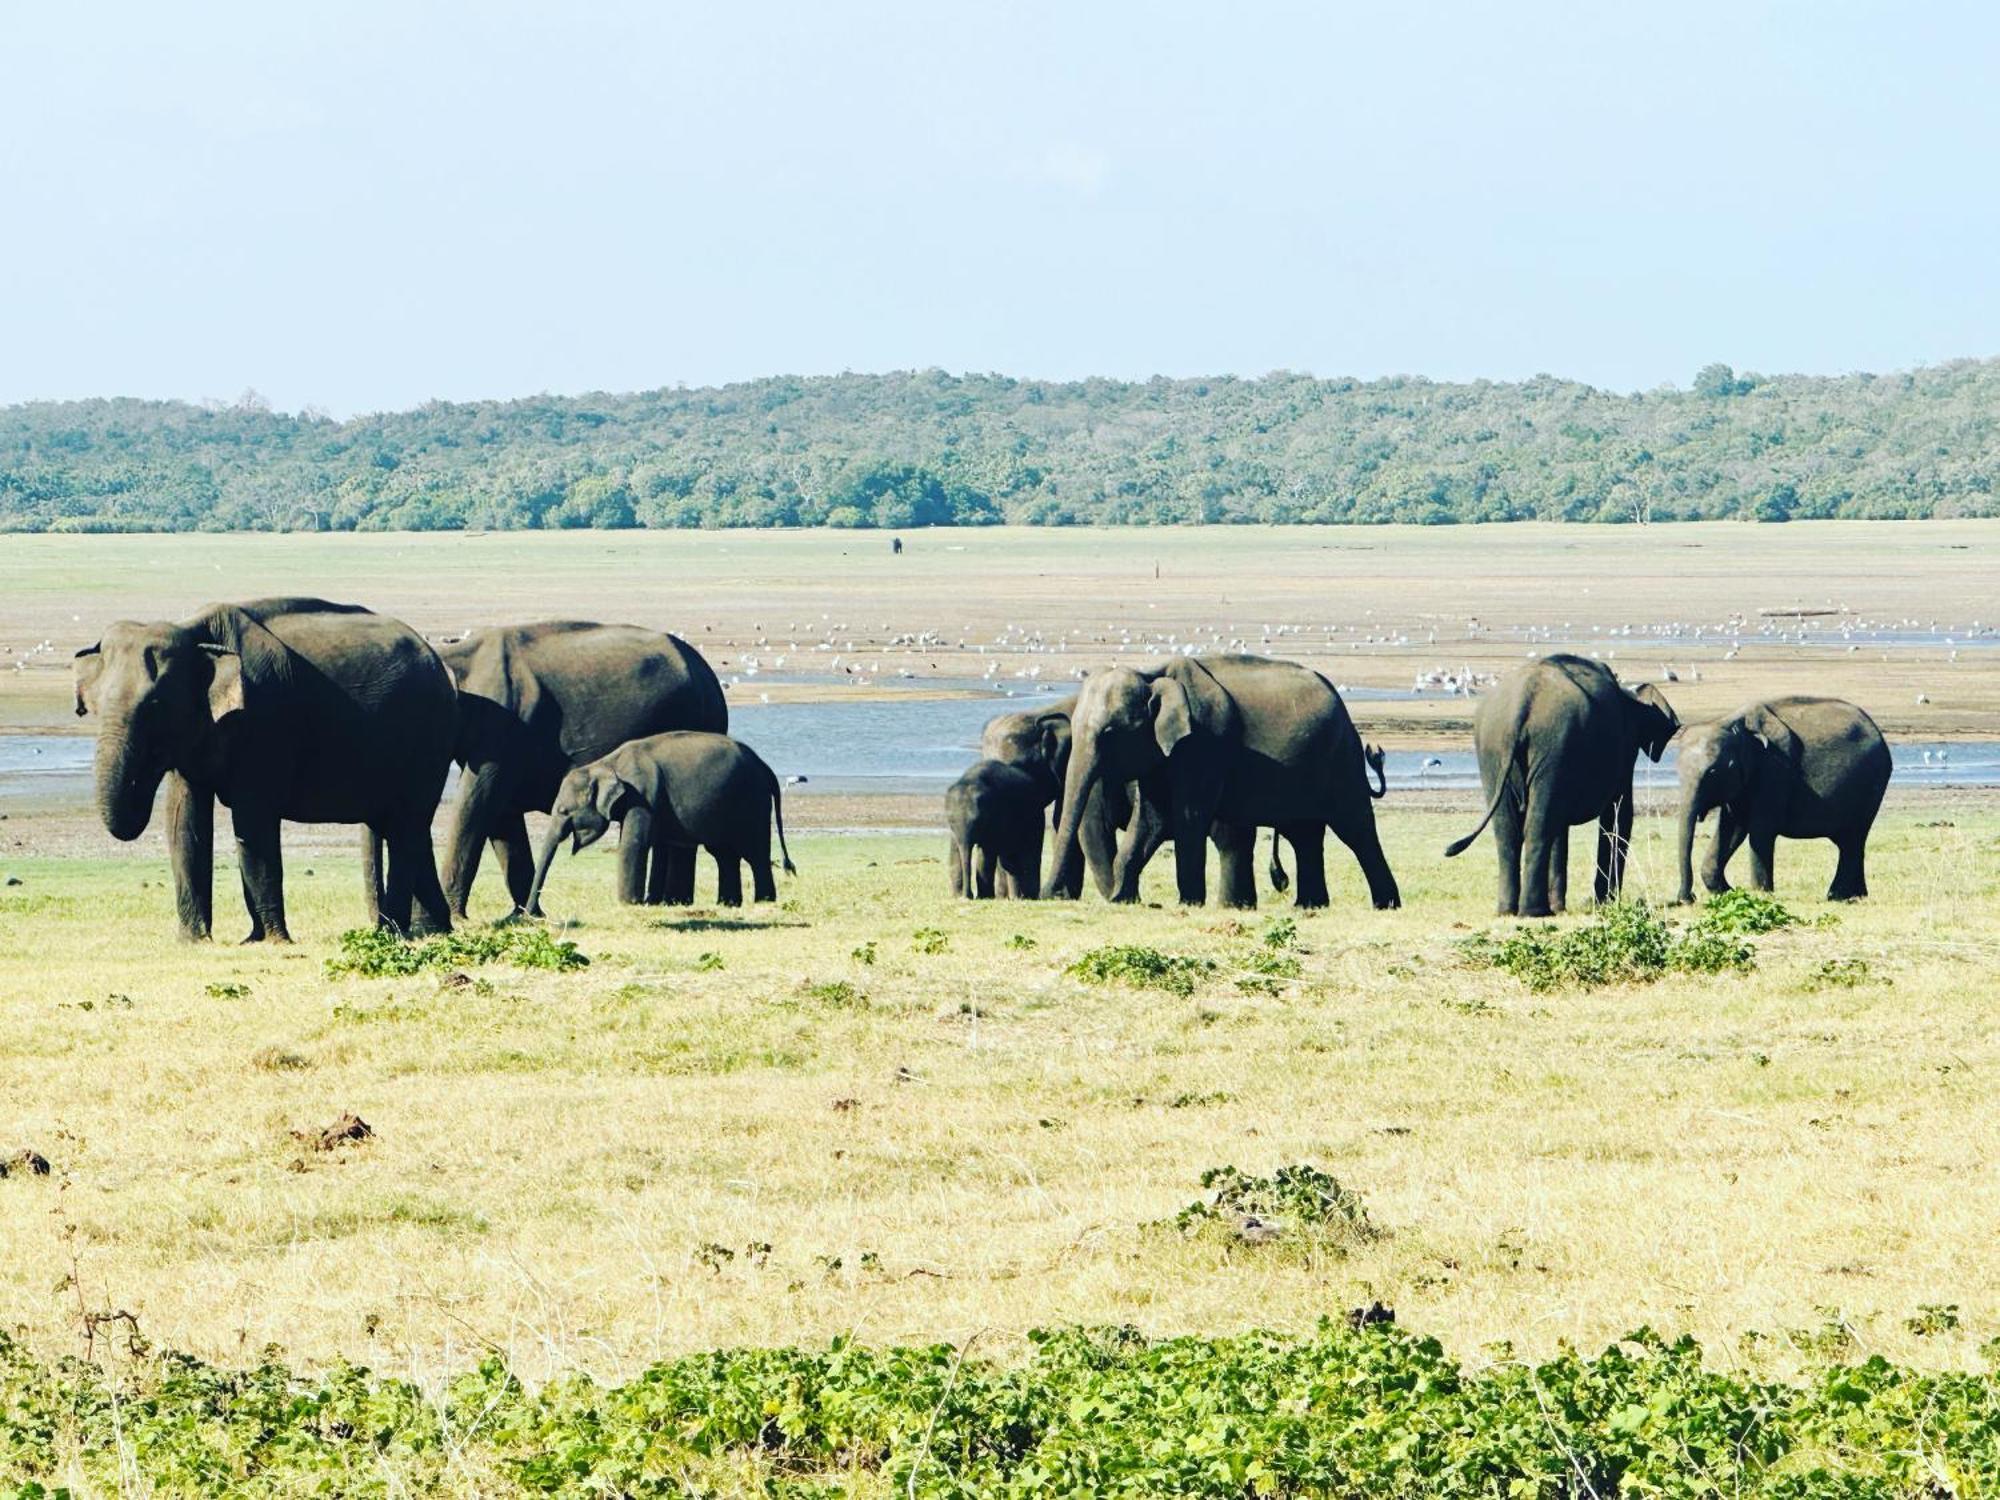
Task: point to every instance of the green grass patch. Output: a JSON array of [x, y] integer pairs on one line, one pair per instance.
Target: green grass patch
[[376, 953], [1142, 968], [1625, 943]]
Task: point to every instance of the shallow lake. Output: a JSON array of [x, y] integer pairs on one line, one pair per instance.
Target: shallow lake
[[918, 744]]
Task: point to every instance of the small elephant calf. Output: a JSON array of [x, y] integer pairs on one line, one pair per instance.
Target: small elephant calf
[[678, 789], [995, 813]]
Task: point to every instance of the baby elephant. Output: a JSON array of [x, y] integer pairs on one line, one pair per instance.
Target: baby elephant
[[1796, 768], [677, 789], [995, 812]]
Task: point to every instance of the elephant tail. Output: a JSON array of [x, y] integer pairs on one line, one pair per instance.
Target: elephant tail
[[1280, 881], [778, 812], [1459, 846]]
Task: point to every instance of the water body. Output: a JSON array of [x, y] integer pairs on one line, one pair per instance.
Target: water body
[[881, 745]]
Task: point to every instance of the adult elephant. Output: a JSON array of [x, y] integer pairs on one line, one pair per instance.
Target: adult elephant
[[1796, 768], [1221, 747], [284, 709], [1557, 740], [536, 701]]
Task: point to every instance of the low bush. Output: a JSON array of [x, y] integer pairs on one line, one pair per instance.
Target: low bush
[[1624, 943], [1746, 913], [1298, 1203], [1142, 968], [1352, 1407], [377, 953]]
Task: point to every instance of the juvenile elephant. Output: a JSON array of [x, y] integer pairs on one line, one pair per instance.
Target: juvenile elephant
[[1221, 747], [536, 701], [695, 790], [1036, 741], [286, 710], [995, 813], [1557, 740], [1796, 768]]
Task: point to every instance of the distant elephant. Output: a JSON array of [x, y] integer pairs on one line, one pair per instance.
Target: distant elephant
[[286, 710], [1222, 746], [1557, 740], [994, 812], [1375, 758], [536, 701], [694, 789], [1796, 768]]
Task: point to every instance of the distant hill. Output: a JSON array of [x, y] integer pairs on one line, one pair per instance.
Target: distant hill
[[927, 448]]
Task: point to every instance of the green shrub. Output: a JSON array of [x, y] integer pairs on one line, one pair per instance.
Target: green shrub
[[1142, 968], [837, 994], [376, 953], [1624, 943], [1295, 1202], [1745, 913]]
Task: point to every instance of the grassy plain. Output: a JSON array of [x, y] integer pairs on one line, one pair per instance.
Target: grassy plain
[[874, 1111]]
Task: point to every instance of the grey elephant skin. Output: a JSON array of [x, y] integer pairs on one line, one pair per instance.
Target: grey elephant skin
[[1222, 746], [1795, 768], [1036, 740], [695, 790], [537, 700], [284, 710], [1557, 740], [994, 812]]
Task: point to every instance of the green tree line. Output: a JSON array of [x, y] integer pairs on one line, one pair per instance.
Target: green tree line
[[925, 448]]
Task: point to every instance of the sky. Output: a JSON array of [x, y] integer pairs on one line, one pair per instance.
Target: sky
[[366, 206]]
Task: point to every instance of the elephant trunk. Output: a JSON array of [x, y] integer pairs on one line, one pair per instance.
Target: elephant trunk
[[1690, 815], [558, 830], [125, 785], [1077, 786]]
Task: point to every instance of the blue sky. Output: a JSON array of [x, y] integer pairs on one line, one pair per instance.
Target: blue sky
[[365, 206]]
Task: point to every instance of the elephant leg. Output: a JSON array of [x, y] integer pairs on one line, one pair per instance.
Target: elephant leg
[[1357, 831], [1003, 880], [263, 867], [1614, 837], [1026, 880], [1098, 843], [191, 851], [374, 858], [1236, 848], [1507, 846], [659, 869], [1730, 832], [984, 864], [1763, 859], [763, 884], [1196, 791], [392, 890], [728, 878], [956, 859], [516, 857], [1622, 845], [1142, 839], [1539, 829], [635, 842], [1308, 841], [1850, 876], [679, 882], [1559, 873], [415, 854], [483, 791]]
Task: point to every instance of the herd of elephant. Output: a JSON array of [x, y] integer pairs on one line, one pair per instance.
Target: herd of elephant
[[301, 710]]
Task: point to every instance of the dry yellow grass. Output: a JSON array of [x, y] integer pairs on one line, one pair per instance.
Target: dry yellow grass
[[978, 1139]]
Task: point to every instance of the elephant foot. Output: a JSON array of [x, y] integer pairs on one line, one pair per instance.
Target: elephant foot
[[275, 939], [1838, 895], [1389, 903], [1543, 910]]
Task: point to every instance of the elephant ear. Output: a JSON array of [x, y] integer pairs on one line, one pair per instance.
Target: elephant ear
[[1054, 744], [1658, 721], [1187, 699], [89, 666], [225, 683], [612, 795], [1773, 734]]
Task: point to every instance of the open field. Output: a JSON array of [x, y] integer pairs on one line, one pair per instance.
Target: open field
[[874, 1112], [1373, 606]]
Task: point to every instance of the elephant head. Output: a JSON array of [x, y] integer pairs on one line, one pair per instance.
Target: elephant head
[[1127, 723], [1036, 741], [161, 691], [1719, 765], [590, 799], [1654, 721]]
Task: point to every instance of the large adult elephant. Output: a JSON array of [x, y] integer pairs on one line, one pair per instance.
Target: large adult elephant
[[1796, 768], [536, 701], [286, 710], [1222, 746], [1557, 740]]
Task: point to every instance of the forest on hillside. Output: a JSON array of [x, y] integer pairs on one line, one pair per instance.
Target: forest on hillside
[[927, 448]]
